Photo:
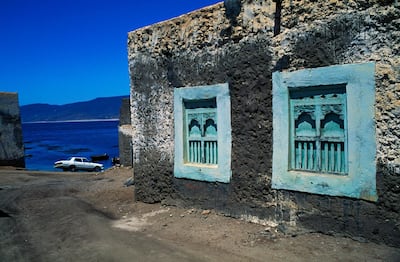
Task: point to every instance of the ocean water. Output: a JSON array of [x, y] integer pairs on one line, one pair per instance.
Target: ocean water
[[48, 142]]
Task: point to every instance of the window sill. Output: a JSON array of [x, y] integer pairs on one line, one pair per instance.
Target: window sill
[[199, 165], [208, 173]]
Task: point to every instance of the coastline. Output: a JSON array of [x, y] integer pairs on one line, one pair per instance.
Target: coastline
[[48, 141]]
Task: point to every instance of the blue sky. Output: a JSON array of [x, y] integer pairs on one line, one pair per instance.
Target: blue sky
[[64, 51]]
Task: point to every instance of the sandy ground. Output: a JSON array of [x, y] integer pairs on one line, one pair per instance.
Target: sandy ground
[[83, 216]]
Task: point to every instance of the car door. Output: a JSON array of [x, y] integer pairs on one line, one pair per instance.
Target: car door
[[86, 164], [79, 163]]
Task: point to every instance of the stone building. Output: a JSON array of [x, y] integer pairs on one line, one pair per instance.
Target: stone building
[[11, 142], [282, 111]]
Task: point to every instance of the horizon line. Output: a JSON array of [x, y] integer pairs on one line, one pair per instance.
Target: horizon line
[[72, 121]]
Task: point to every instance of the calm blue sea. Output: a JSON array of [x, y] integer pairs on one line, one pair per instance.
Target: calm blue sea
[[46, 143]]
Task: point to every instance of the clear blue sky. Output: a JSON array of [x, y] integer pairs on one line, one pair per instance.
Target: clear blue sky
[[64, 51]]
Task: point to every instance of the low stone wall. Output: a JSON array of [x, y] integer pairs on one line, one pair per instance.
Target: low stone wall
[[11, 142], [205, 47], [125, 132]]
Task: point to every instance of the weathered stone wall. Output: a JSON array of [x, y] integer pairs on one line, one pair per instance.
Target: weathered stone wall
[[11, 142], [321, 33], [125, 133], [205, 47]]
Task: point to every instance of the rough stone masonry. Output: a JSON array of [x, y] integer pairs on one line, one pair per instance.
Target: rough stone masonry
[[206, 47], [11, 143]]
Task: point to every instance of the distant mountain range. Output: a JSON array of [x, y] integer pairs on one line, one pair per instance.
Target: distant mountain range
[[99, 108]]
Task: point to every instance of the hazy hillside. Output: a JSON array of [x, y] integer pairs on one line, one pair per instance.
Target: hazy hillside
[[99, 108]]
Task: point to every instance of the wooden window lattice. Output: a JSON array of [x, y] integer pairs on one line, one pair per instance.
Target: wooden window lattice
[[319, 133], [201, 140]]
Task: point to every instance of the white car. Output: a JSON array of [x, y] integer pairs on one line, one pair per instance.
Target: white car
[[78, 163]]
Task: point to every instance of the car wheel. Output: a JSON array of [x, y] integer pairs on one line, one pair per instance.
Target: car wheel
[[97, 169], [72, 168]]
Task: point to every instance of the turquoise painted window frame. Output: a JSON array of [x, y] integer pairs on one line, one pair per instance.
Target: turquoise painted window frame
[[360, 180], [220, 172]]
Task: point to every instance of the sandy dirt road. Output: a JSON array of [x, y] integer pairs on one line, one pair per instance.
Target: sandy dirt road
[[81, 216]]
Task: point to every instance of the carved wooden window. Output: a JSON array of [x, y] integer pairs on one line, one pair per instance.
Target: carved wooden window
[[201, 132], [324, 131], [319, 130], [202, 139]]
